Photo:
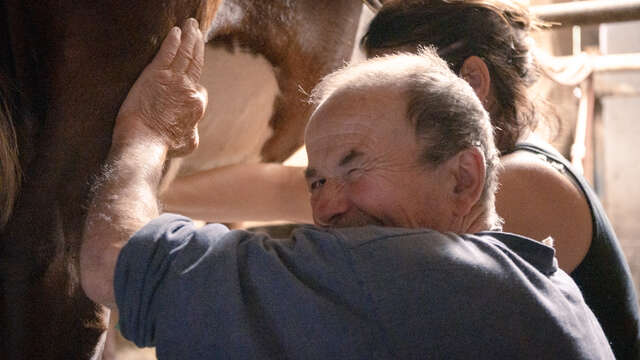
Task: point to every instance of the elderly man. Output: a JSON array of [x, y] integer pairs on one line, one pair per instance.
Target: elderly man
[[401, 172]]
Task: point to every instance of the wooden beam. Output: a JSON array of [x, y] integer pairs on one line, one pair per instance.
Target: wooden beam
[[588, 12], [607, 63]]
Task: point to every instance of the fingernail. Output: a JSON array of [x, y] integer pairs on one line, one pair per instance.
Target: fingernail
[[175, 30]]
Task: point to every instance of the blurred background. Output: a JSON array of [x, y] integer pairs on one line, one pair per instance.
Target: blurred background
[[603, 76]]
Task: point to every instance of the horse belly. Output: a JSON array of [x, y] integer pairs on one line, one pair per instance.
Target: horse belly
[[242, 89]]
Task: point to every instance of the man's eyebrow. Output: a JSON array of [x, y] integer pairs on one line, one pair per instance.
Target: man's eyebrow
[[352, 155], [310, 172]]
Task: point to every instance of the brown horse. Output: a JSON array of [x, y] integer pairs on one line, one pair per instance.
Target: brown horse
[[65, 70]]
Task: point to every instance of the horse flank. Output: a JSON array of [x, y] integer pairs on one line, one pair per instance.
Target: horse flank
[[9, 163]]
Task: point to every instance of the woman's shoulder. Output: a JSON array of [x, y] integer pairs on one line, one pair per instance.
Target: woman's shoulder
[[538, 199]]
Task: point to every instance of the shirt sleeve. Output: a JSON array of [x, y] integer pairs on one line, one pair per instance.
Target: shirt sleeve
[[167, 244], [177, 285]]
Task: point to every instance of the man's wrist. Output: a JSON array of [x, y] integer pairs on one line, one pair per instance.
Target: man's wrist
[[142, 147], [140, 155], [124, 200], [133, 129]]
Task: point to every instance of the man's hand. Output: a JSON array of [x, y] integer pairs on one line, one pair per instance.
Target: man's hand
[[166, 102]]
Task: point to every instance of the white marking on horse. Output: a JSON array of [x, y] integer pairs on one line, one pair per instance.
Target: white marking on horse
[[242, 90], [229, 13]]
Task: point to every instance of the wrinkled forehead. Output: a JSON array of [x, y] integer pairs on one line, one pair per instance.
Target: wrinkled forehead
[[326, 113], [348, 109], [332, 124], [368, 124]]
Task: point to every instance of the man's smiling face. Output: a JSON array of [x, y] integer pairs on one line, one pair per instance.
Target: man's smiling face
[[364, 166]]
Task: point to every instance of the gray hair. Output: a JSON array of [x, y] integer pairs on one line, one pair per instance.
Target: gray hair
[[446, 114]]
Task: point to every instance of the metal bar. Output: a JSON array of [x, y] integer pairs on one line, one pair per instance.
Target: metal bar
[[588, 12], [581, 156], [619, 62], [607, 63]]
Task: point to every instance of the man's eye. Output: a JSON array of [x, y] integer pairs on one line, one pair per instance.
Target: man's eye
[[317, 184]]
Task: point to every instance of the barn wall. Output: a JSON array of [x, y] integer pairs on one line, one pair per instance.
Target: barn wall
[[620, 152], [617, 125]]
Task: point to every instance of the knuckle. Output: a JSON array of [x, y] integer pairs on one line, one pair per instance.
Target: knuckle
[[186, 54], [164, 77], [196, 66]]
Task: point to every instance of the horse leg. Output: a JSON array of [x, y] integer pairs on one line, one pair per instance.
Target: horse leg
[[75, 61]]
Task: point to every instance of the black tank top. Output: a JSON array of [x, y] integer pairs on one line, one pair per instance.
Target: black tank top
[[603, 276]]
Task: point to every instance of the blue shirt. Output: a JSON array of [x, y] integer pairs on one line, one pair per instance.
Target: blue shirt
[[359, 293]]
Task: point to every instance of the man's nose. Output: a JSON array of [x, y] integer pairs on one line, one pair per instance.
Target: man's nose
[[330, 204]]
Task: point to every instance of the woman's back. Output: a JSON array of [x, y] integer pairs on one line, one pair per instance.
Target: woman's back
[[541, 196]]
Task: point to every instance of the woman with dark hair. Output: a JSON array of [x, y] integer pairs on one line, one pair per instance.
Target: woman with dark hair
[[540, 195]]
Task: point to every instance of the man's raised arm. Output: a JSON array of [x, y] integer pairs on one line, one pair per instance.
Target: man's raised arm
[[157, 119]]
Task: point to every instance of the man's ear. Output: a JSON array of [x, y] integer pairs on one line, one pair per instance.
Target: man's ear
[[475, 72], [469, 171]]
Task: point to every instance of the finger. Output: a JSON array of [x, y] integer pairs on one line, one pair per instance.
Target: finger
[[195, 66], [187, 146], [168, 49], [195, 138], [185, 52], [203, 97], [197, 107]]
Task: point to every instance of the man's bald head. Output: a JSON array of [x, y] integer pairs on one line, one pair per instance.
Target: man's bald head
[[443, 110]]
